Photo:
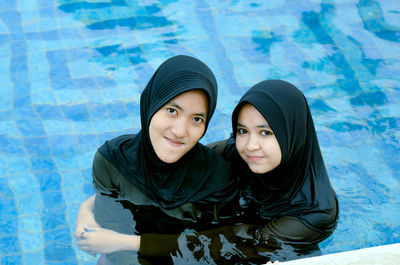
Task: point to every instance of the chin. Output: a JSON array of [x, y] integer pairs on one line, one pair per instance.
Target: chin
[[257, 170], [170, 159]]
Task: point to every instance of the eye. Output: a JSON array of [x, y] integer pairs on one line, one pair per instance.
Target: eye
[[241, 131], [198, 119], [266, 132], [171, 111]]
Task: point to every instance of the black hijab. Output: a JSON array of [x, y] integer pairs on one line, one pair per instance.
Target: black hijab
[[299, 186], [200, 175]]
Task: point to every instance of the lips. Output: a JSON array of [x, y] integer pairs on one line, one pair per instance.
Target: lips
[[174, 142], [253, 158]]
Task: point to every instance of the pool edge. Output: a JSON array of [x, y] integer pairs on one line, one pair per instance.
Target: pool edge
[[382, 255]]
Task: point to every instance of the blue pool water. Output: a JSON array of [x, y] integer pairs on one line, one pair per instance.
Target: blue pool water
[[71, 72]]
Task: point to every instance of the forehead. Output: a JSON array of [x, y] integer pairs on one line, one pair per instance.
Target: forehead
[[195, 96], [249, 115]]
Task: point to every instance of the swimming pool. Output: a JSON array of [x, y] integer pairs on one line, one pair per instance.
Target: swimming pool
[[72, 71]]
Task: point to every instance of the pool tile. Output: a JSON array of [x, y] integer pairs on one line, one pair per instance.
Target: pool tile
[[34, 258], [10, 145], [10, 245], [48, 111], [30, 204], [43, 164], [57, 127], [8, 226], [31, 242], [53, 200], [30, 223], [77, 194], [53, 219], [66, 162], [32, 127], [55, 253], [37, 146], [17, 165], [23, 183], [11, 259], [49, 181]]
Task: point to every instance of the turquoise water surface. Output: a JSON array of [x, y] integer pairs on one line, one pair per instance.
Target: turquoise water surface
[[71, 73]]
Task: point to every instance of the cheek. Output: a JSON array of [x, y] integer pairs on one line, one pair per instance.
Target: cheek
[[240, 144], [197, 133], [275, 152], [155, 129]]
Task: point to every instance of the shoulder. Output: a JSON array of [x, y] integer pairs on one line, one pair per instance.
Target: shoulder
[[115, 142], [218, 146], [213, 153], [98, 160], [226, 149], [101, 164]]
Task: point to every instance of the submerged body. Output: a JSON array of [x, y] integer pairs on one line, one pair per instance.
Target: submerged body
[[286, 204]]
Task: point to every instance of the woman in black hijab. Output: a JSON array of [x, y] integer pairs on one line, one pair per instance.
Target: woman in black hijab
[[284, 185], [287, 204], [160, 179]]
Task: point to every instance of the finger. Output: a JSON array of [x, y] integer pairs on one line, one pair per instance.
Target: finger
[[78, 232], [91, 228], [86, 248], [82, 235], [77, 235]]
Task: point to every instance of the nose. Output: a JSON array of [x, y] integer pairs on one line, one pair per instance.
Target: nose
[[252, 143], [179, 128]]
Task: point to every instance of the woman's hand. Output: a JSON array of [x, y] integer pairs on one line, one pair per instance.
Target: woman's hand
[[105, 241], [85, 217]]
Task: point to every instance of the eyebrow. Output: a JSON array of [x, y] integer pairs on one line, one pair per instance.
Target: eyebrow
[[201, 114], [262, 126]]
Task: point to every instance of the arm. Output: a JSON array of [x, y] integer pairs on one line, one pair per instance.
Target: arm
[[85, 217], [92, 238], [105, 241], [91, 235]]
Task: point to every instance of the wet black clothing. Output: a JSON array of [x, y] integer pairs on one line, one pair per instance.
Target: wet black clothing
[[286, 212]]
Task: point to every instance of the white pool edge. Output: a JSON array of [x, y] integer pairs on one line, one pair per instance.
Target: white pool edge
[[379, 255]]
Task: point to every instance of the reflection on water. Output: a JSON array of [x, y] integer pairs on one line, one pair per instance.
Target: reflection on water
[[172, 242]]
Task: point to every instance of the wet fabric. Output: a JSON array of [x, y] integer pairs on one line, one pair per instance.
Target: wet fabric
[[200, 175], [299, 186]]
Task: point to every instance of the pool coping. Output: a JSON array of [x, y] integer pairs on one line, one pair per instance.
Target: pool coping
[[382, 255]]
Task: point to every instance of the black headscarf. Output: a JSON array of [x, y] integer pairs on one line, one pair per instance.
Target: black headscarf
[[299, 186], [200, 175]]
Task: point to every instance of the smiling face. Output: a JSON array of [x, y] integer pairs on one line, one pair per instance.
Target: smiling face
[[256, 142], [178, 125]]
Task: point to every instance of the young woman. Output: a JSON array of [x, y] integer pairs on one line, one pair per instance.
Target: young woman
[[160, 180], [282, 176], [287, 204]]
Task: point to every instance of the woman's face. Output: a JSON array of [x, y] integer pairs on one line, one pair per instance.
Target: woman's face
[[178, 125], [256, 142]]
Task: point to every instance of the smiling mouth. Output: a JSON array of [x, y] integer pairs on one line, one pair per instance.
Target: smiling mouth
[[253, 158], [174, 142]]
